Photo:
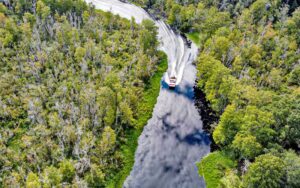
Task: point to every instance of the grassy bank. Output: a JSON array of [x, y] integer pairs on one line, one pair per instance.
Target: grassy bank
[[145, 109], [213, 167], [195, 37]]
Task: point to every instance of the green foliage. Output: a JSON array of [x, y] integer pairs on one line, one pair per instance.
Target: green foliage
[[231, 179], [108, 140], [258, 10], [247, 81], [78, 6], [79, 53], [247, 145], [266, 171], [214, 166], [173, 18], [42, 10], [3, 8], [294, 77], [96, 177], [32, 181], [214, 76], [292, 165], [213, 20], [258, 123], [228, 126], [72, 79], [67, 170], [51, 177], [148, 36], [286, 112], [77, 79]]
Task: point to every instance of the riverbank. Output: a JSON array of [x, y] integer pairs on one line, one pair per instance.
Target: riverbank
[[145, 109]]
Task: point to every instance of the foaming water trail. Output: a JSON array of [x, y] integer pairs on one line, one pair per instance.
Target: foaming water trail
[[172, 141]]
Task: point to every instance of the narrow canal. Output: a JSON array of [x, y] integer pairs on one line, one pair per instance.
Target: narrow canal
[[173, 140]]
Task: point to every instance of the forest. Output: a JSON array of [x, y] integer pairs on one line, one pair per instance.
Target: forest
[[249, 69], [77, 85], [72, 83]]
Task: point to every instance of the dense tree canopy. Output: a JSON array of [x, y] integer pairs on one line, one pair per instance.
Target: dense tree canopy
[[71, 78]]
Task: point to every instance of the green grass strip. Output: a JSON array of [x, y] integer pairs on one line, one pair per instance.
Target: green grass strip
[[213, 167], [195, 37]]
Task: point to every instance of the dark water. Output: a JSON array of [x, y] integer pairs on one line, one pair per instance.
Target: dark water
[[208, 116]]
